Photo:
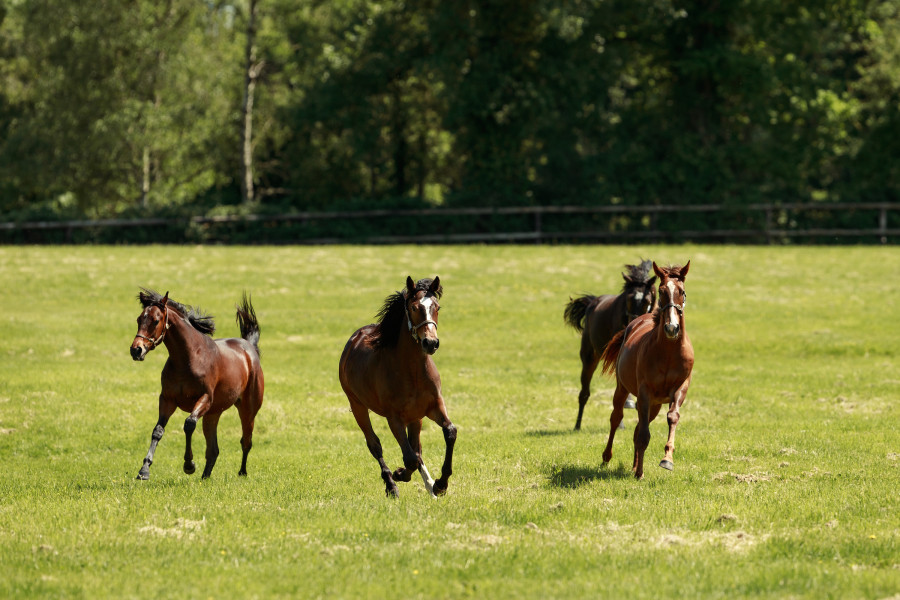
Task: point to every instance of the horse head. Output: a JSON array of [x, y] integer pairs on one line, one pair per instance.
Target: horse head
[[639, 290], [422, 312], [672, 298], [153, 322]]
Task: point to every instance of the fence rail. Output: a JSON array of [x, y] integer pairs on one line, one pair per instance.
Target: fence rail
[[537, 233]]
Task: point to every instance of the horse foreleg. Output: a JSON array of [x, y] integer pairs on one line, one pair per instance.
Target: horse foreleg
[[210, 427], [615, 419], [165, 411], [361, 414], [589, 362], [641, 433], [440, 417], [673, 416], [190, 424]]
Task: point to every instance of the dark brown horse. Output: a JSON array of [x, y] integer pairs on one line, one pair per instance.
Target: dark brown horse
[[387, 368], [202, 376], [599, 318], [652, 359]]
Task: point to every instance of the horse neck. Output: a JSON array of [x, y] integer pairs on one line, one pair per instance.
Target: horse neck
[[408, 348], [181, 337]]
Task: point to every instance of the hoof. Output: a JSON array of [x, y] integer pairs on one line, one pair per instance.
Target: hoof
[[392, 493], [667, 465], [402, 474], [190, 467], [621, 425], [242, 473], [143, 476], [440, 487], [629, 403]]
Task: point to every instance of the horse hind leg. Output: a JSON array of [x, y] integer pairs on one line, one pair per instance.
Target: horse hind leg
[[615, 420], [414, 431], [210, 427], [247, 411], [589, 362], [361, 414]]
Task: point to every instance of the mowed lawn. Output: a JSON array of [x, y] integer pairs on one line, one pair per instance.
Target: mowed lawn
[[787, 462]]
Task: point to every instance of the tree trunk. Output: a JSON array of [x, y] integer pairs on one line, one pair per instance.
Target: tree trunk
[[252, 72]]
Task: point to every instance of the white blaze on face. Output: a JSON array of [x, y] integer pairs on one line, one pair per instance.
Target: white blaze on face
[[428, 307], [672, 316]]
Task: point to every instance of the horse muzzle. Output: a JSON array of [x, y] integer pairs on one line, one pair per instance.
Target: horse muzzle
[[672, 330], [430, 345], [138, 352]]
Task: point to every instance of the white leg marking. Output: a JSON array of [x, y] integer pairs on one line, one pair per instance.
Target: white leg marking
[[427, 480]]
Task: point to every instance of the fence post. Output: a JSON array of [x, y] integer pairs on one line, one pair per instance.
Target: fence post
[[882, 224]]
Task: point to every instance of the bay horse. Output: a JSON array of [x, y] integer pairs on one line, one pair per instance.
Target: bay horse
[[652, 359], [388, 368], [599, 318], [202, 376]]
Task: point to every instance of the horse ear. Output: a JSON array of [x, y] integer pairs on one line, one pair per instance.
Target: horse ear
[[410, 285], [684, 271], [626, 278], [165, 300], [435, 288], [658, 271]]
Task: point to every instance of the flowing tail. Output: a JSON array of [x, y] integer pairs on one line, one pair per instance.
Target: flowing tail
[[246, 320], [577, 309], [611, 353]]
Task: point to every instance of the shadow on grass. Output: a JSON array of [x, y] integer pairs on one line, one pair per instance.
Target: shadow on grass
[[573, 476], [551, 432]]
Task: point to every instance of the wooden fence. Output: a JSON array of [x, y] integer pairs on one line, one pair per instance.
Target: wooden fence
[[769, 220]]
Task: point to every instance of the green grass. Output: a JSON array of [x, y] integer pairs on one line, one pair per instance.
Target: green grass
[[786, 469]]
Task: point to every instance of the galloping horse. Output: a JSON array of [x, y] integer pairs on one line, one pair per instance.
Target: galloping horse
[[202, 376], [387, 368], [599, 318], [652, 359]]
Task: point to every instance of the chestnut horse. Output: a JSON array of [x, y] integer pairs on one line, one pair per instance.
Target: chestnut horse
[[202, 376], [652, 359], [387, 368], [599, 318]]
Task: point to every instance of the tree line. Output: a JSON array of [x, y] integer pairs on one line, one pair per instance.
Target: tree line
[[157, 107]]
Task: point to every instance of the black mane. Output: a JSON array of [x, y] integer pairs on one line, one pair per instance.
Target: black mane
[[393, 313], [201, 321], [637, 275]]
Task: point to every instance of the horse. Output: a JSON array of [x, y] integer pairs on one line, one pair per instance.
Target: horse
[[202, 376], [387, 368], [599, 318], [652, 359]]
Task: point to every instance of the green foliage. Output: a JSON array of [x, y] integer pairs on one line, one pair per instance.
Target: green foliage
[[787, 461], [105, 107]]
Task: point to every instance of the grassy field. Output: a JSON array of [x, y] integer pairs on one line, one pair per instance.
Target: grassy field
[[787, 467]]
